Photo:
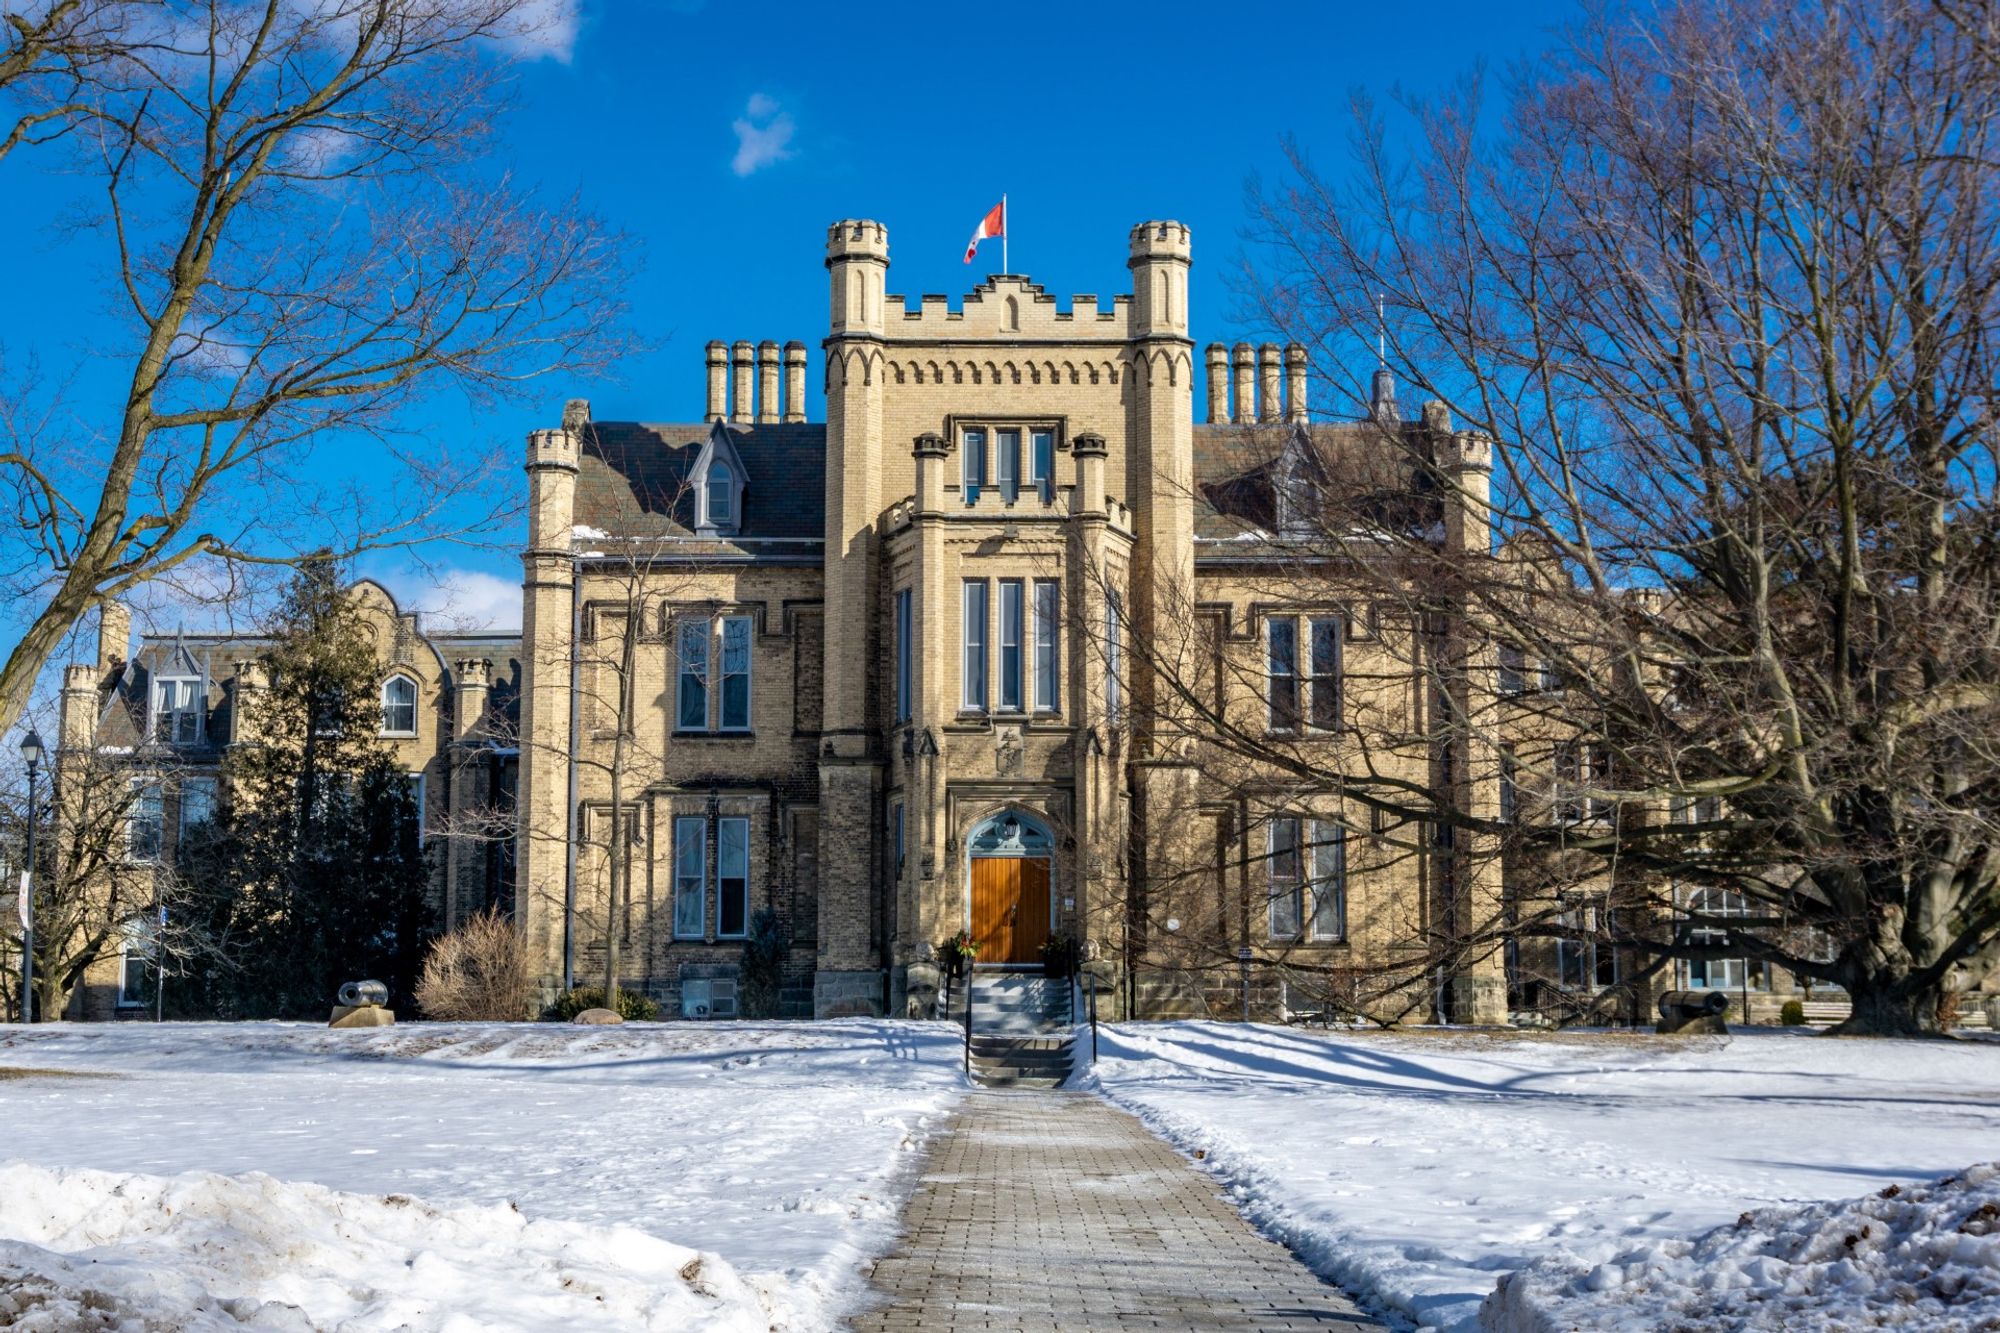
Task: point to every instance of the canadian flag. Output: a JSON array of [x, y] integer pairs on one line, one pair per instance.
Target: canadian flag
[[993, 224]]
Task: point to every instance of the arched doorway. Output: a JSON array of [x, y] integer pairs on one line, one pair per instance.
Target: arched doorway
[[1010, 887]]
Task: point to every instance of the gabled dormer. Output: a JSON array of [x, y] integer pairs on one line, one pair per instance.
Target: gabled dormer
[[178, 700], [717, 480], [1298, 485]]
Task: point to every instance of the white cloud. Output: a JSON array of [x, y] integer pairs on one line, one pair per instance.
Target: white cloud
[[543, 28], [763, 135], [459, 599]]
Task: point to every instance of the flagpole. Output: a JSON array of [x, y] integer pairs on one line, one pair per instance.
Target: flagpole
[[1004, 229]]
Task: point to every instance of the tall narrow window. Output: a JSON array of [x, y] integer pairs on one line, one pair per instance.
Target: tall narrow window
[[690, 876], [691, 710], [721, 494], [144, 823], [974, 697], [732, 878], [1325, 664], [399, 706], [896, 838], [1010, 645], [1048, 630], [134, 960], [1285, 882], [1282, 643], [1007, 464], [973, 464], [1513, 669], [197, 803], [1510, 785], [1114, 654], [1329, 880], [1042, 462], [735, 673], [905, 663]]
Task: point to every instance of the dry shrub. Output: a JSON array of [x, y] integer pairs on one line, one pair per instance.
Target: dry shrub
[[479, 972]]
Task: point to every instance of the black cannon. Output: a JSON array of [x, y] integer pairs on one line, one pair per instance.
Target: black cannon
[[1692, 1011]]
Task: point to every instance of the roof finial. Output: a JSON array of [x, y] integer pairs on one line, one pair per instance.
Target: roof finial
[[1382, 394]]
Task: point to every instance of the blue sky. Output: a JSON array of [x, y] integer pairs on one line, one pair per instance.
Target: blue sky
[[722, 139]]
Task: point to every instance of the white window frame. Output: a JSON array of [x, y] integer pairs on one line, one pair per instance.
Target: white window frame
[[130, 951], [1735, 973], [725, 826], [686, 827], [1047, 624], [1284, 888], [1328, 882], [725, 626], [164, 694], [133, 820], [1013, 696], [186, 786], [975, 657], [382, 699]]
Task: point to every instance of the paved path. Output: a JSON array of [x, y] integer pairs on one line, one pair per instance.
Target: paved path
[[1046, 1211]]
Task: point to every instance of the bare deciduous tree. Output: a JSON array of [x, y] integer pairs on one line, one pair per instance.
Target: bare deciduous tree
[[1723, 280], [303, 242]]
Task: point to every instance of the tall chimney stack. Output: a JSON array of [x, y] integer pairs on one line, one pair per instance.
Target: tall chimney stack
[[1295, 382], [744, 359], [718, 380], [767, 381], [795, 381], [114, 634], [1246, 383], [1218, 382], [1268, 408]]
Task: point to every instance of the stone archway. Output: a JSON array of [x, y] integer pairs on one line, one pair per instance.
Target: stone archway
[[1010, 888]]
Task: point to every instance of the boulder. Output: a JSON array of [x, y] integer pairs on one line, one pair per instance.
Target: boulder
[[597, 1016], [362, 1016]]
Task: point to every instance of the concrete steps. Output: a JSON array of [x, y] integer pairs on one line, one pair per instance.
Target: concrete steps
[[1020, 1030], [1021, 1062]]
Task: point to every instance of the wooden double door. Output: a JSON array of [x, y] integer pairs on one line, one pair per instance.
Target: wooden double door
[[1010, 908]]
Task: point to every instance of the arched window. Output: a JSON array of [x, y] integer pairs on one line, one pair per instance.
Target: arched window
[[720, 494], [399, 706]]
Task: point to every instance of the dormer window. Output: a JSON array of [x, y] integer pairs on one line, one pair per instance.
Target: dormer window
[[717, 480], [720, 497], [177, 710], [399, 706]]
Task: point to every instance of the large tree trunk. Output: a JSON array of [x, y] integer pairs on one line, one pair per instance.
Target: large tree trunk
[[1881, 977]]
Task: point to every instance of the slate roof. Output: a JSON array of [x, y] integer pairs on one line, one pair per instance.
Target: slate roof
[[633, 478], [1372, 477]]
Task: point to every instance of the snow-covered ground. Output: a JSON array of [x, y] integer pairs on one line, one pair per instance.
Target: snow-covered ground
[[1922, 1256], [477, 1176], [1417, 1169]]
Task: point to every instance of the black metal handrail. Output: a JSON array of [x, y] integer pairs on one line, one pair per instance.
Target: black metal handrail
[[1093, 1018], [968, 1023]]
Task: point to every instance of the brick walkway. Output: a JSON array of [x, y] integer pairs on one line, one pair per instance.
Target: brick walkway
[[1047, 1211]]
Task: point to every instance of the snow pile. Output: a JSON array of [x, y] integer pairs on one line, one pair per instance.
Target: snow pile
[[1927, 1256], [96, 1249], [785, 1148], [1415, 1168]]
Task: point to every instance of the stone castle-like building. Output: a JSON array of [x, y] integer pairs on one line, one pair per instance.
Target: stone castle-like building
[[896, 675]]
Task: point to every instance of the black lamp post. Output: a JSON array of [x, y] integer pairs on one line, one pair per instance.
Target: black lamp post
[[31, 751]]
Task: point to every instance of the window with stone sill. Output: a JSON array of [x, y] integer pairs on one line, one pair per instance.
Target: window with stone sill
[[1010, 457]]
